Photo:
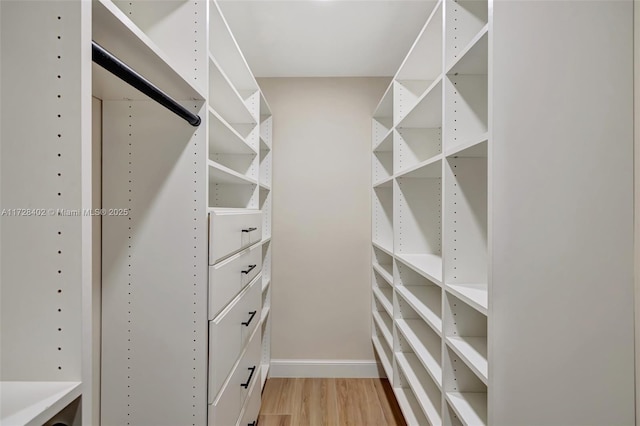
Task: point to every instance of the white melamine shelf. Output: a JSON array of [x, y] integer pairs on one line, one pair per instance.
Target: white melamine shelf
[[265, 284], [473, 351], [410, 408], [114, 31], [382, 353], [384, 328], [265, 314], [414, 295], [475, 295], [413, 331], [384, 273], [33, 403], [411, 367], [385, 297], [427, 265], [384, 183], [225, 99], [471, 407], [473, 58], [223, 138], [386, 144], [430, 168], [221, 174], [382, 248], [427, 111], [475, 147], [265, 186]]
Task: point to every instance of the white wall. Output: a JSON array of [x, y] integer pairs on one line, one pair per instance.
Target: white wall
[[321, 295]]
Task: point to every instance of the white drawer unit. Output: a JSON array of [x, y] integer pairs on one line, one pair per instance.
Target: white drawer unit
[[229, 333], [228, 277], [231, 230], [251, 406], [227, 406]]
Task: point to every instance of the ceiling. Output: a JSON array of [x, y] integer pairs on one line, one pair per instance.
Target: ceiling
[[325, 38]]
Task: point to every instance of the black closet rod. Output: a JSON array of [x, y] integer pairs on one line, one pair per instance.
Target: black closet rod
[[121, 70]]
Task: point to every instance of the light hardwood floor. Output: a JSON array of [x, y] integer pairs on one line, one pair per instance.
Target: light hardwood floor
[[329, 402]]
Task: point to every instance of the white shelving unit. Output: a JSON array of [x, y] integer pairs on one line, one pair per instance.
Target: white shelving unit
[[472, 192]]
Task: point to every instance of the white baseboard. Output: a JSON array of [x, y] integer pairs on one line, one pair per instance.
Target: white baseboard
[[321, 368]]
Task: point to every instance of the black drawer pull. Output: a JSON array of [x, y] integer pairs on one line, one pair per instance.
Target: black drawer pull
[[246, 385], [249, 229], [253, 314], [253, 423], [251, 268]]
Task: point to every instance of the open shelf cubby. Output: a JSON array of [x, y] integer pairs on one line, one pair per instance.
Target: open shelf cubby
[[424, 297], [382, 167], [382, 122], [382, 220], [466, 335], [408, 400], [465, 227], [466, 96], [423, 340], [420, 69], [417, 220], [424, 388], [383, 291], [383, 263], [384, 319], [464, 19], [464, 392]]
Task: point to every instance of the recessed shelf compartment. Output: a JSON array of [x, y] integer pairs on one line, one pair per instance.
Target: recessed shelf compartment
[[422, 295], [466, 247], [427, 112], [223, 138], [382, 220], [407, 400], [117, 33], [414, 146], [418, 216], [382, 122], [464, 391], [427, 393], [383, 350], [383, 319], [383, 291], [382, 166], [386, 144], [466, 335], [421, 67], [421, 338], [466, 96], [464, 19], [383, 263], [225, 99]]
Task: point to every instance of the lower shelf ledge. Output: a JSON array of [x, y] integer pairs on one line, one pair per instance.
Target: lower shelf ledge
[[33, 403], [471, 407]]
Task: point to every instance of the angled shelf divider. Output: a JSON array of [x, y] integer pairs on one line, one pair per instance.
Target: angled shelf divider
[[464, 19], [382, 123], [226, 99]]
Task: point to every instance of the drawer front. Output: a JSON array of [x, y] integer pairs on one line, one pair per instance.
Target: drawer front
[[252, 404], [231, 231], [225, 409], [228, 334], [228, 277]]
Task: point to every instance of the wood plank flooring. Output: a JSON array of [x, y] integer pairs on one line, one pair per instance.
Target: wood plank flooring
[[329, 402]]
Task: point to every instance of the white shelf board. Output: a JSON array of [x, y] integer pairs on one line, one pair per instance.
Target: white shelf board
[[225, 139], [265, 186], [386, 362], [386, 144], [114, 31], [409, 364], [471, 407], [414, 335], [384, 183], [265, 314], [381, 247], [385, 297], [265, 283], [265, 240], [221, 174], [413, 297], [475, 295], [33, 403], [384, 273], [388, 334], [473, 59], [264, 375], [427, 265], [427, 112], [475, 147], [473, 351], [225, 99], [413, 414], [429, 168], [384, 109]]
